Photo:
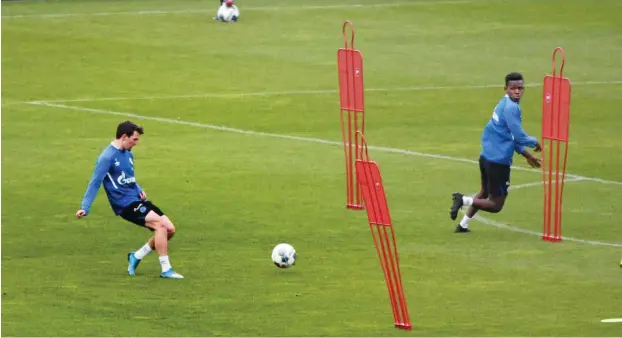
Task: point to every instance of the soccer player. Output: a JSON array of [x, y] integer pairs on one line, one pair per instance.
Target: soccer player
[[115, 168], [227, 11], [502, 136]]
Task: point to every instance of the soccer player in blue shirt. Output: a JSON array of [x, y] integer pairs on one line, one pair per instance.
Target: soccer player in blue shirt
[[502, 136], [115, 168]]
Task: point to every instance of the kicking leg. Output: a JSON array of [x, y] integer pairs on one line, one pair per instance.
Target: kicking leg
[[150, 245], [164, 230]]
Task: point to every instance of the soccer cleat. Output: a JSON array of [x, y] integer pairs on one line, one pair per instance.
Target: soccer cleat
[[132, 263], [171, 274], [459, 228], [456, 204]]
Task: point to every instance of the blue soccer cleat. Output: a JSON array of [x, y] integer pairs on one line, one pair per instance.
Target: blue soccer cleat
[[171, 274], [132, 263]]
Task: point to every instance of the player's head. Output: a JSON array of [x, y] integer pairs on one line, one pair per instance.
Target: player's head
[[129, 134], [514, 86], [229, 3]]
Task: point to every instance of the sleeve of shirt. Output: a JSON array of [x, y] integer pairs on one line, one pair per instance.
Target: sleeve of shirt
[[101, 169], [519, 149], [138, 188], [512, 117]]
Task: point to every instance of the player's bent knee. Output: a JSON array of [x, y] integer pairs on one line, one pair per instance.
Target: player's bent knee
[[157, 226], [497, 208], [170, 227]]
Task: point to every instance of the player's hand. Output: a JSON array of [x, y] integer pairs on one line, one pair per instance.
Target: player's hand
[[534, 162], [143, 195], [81, 213], [538, 147]]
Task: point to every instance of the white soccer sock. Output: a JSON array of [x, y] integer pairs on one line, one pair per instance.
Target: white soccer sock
[[166, 265], [467, 201], [144, 251], [465, 221]]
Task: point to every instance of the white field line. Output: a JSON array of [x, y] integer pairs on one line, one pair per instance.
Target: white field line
[[569, 177], [500, 225], [291, 137], [539, 234], [612, 320], [305, 92], [526, 185], [243, 9]]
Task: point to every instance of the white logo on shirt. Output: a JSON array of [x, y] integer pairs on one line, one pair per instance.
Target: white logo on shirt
[[122, 180], [495, 116]]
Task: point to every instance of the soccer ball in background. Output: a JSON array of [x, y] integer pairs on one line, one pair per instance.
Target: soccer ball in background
[[228, 12], [284, 255]]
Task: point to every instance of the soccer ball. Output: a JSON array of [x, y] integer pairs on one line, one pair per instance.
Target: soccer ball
[[284, 255], [226, 14]]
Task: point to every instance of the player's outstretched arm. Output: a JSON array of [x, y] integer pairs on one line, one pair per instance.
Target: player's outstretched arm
[[141, 193], [512, 116], [533, 161], [101, 169], [538, 147]]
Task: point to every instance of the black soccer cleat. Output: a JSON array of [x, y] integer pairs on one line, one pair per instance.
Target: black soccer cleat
[[459, 228], [456, 205]]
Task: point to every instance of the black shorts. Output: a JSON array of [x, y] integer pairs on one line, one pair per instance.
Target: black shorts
[[495, 177], [137, 211]]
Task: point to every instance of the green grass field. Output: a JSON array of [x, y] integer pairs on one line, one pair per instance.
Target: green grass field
[[434, 71]]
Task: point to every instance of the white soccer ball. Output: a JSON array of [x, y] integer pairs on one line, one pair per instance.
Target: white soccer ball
[[226, 14], [284, 255]]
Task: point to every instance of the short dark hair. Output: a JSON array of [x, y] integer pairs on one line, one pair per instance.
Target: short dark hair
[[128, 128], [513, 77]]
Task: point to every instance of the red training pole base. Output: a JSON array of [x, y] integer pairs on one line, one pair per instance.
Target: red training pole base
[[402, 326], [551, 238]]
